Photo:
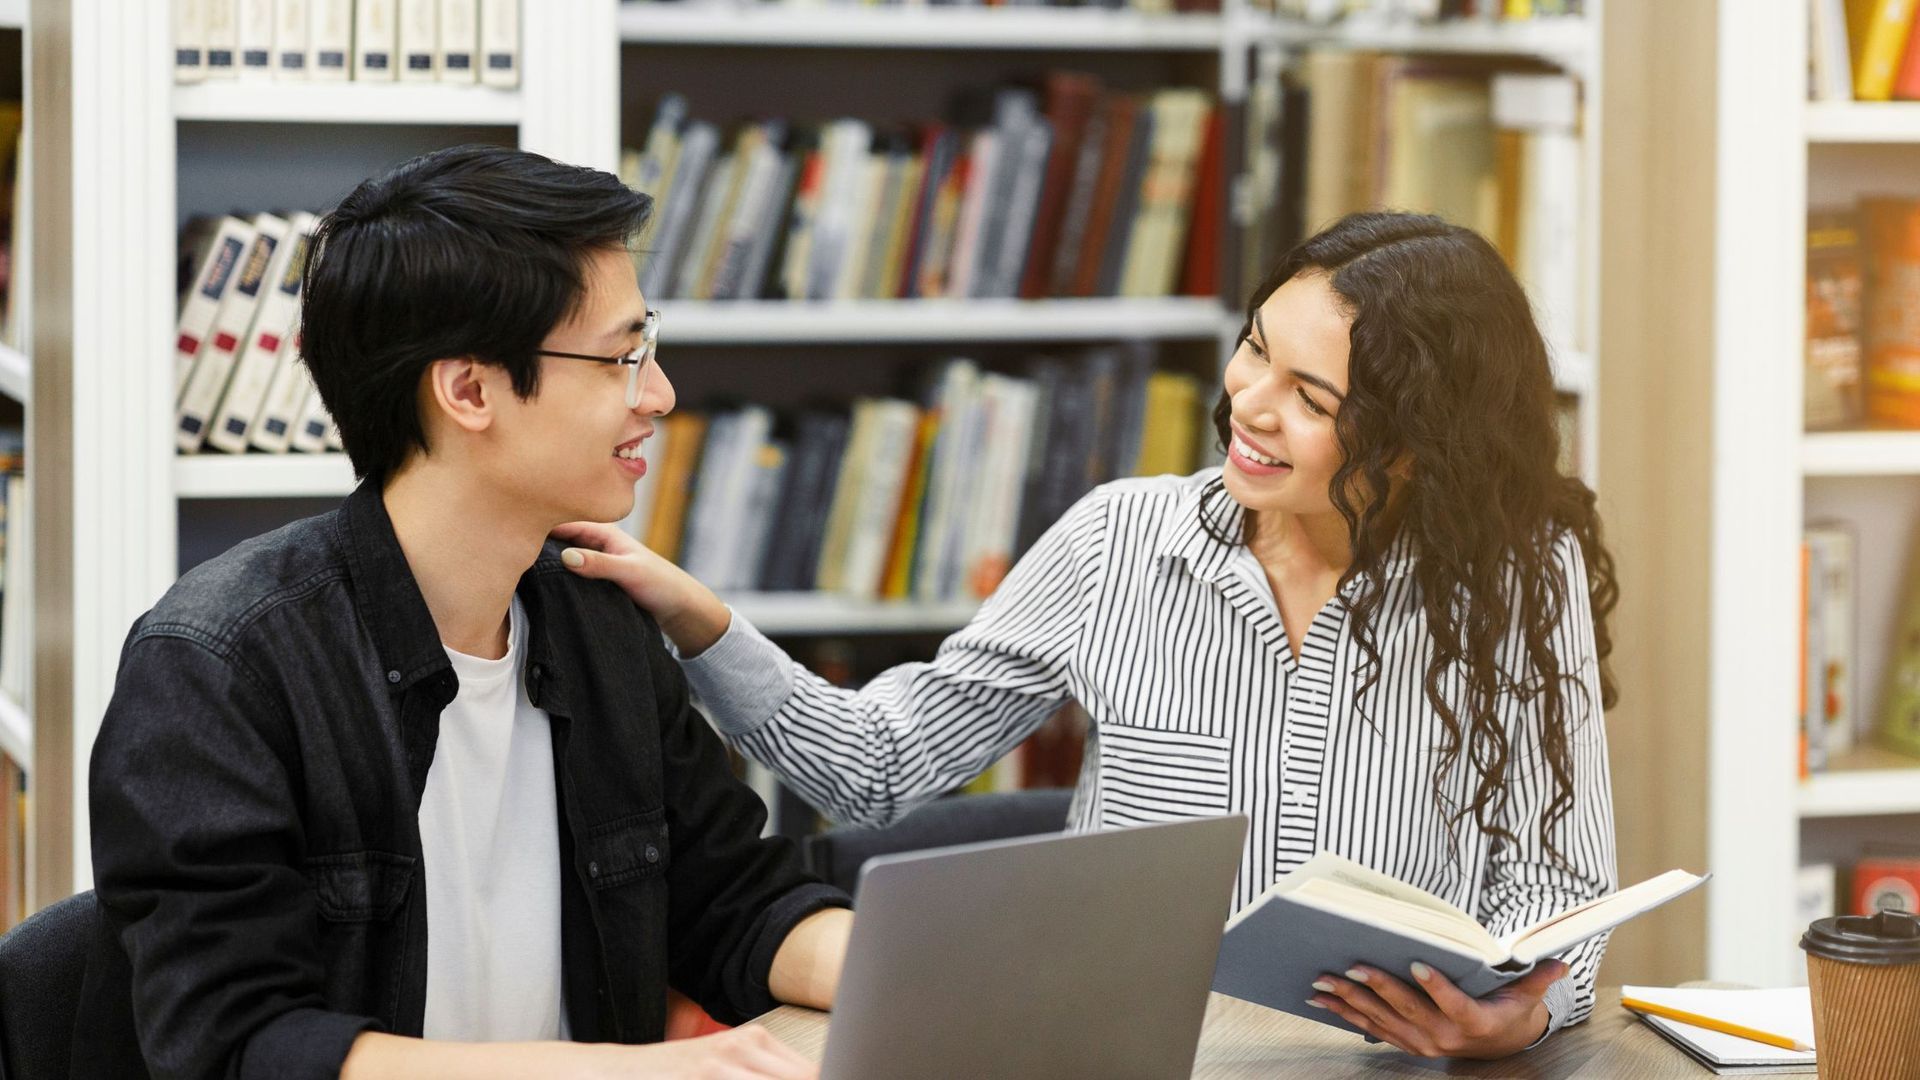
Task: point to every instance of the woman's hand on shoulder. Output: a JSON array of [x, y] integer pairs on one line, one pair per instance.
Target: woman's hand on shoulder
[[1434, 1018], [688, 612]]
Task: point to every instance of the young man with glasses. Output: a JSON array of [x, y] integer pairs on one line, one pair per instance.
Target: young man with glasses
[[390, 783]]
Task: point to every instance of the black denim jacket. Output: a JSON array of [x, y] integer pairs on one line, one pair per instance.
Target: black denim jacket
[[255, 791]]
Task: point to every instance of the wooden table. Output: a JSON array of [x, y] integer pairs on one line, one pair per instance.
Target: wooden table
[[1241, 1041]]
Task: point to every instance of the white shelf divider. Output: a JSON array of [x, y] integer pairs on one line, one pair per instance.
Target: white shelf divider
[[1566, 42], [1861, 453], [1861, 793], [16, 374], [13, 14], [16, 733], [825, 613], [1863, 122], [888, 321], [347, 103], [261, 476], [919, 28]]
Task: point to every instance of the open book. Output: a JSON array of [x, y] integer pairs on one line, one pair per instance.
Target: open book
[[1333, 913]]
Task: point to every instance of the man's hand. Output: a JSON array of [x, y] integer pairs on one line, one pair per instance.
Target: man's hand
[[1434, 1018], [748, 1053]]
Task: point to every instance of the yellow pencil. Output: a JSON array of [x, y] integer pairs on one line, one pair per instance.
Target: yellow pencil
[[1708, 1022]]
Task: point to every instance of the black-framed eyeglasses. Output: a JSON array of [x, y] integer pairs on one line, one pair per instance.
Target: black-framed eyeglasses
[[639, 363]]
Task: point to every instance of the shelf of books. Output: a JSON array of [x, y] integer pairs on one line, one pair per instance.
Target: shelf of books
[[774, 322], [346, 103], [1863, 122], [262, 476], [16, 377], [1861, 453], [810, 614], [904, 27]]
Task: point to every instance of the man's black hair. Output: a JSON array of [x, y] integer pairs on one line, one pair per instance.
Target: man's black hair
[[470, 251]]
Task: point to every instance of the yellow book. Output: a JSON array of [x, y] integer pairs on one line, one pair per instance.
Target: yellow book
[[686, 432], [1173, 410], [1519, 9], [1878, 31]]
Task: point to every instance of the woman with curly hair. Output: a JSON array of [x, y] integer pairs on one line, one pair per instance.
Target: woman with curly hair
[[1378, 630]]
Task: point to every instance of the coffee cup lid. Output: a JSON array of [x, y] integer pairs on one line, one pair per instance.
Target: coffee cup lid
[[1889, 937]]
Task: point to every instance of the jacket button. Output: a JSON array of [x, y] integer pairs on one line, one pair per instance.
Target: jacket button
[[653, 853], [393, 676], [593, 869]]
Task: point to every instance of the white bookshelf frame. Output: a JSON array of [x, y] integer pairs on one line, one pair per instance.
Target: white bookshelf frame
[[16, 374], [113, 224], [16, 733], [13, 14], [1863, 122]]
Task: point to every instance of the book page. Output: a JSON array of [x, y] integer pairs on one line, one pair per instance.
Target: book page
[[1338, 884], [1570, 927]]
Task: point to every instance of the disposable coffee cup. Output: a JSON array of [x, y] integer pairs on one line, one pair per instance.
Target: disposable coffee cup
[[1864, 975]]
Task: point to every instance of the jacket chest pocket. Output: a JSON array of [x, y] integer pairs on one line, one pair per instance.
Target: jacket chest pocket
[[1148, 775], [627, 850], [361, 898]]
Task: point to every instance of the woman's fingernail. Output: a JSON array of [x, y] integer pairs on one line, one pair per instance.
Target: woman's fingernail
[[1356, 975], [1315, 1002], [1422, 971], [572, 557], [1323, 986]]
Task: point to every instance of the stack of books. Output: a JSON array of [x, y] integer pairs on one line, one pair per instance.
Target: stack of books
[[1864, 50]]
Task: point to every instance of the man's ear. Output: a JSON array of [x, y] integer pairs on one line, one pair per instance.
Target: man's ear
[[463, 391]]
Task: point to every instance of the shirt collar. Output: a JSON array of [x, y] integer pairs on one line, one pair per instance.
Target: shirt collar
[[1206, 511]]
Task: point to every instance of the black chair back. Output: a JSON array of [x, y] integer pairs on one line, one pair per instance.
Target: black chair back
[[42, 964], [837, 855]]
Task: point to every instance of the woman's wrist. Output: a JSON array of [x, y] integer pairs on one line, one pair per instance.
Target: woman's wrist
[[697, 621]]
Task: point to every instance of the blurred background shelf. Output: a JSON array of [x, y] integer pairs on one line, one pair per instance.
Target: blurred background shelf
[[16, 732], [1861, 453], [893, 321], [262, 476], [1564, 42], [16, 374], [1864, 782], [1863, 122], [920, 28], [346, 103]]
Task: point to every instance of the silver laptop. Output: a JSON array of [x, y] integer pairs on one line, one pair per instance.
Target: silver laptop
[[1059, 957]]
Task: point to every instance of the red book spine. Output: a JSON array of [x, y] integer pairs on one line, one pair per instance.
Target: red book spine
[[1206, 229]]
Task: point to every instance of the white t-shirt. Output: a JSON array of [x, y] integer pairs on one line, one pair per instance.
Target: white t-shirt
[[489, 833]]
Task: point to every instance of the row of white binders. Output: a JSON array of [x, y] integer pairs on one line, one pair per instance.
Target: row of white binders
[[452, 41], [239, 383]]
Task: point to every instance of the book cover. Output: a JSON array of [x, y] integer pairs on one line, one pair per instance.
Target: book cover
[[969, 227], [1900, 693], [1878, 31], [1833, 559], [819, 440], [1333, 913], [1071, 99], [994, 520], [936, 160], [1832, 62], [189, 41], [223, 38], [330, 40], [376, 38], [273, 327], [1207, 226], [314, 427], [1893, 293], [676, 217], [255, 36], [953, 466], [1124, 116], [201, 396], [1165, 198], [686, 435], [1077, 207], [1117, 246], [290, 27], [459, 36], [218, 247], [1886, 881], [286, 401], [500, 43], [419, 41], [770, 466], [830, 575], [878, 506], [1836, 286]]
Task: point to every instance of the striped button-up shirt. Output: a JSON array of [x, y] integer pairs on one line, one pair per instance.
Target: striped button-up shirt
[[1173, 644]]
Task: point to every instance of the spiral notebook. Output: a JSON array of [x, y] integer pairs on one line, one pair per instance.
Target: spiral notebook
[[1782, 1012]]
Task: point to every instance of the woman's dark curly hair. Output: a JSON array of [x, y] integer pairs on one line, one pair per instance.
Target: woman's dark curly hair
[[1449, 375]]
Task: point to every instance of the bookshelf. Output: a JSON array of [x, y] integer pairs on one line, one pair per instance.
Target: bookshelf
[[16, 377], [16, 730], [1863, 122], [13, 14], [132, 155], [1860, 453]]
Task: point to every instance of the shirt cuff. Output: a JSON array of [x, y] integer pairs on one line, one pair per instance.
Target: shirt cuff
[[1560, 1002], [755, 996], [741, 680]]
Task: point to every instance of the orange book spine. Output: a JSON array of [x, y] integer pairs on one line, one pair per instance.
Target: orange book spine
[[1893, 310]]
